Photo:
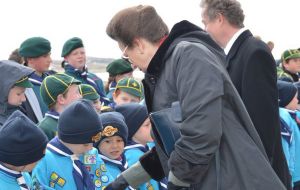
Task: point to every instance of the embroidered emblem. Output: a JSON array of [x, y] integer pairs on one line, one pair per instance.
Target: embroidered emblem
[[56, 179], [96, 137], [98, 183], [109, 131], [52, 184], [98, 172], [90, 159], [103, 168], [61, 182], [54, 176], [104, 178]]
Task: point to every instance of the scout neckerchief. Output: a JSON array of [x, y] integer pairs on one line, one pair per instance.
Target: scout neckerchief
[[36, 79], [53, 114], [18, 175], [122, 165], [81, 176], [285, 131], [84, 74], [131, 144]]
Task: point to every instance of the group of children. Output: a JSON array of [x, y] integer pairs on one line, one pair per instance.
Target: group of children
[[59, 131], [289, 97]]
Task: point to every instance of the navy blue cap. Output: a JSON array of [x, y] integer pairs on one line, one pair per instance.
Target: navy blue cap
[[286, 92], [113, 125], [79, 123], [135, 114], [21, 141]]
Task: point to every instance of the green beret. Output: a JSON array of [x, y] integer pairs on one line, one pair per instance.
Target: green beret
[[88, 92], [54, 85], [290, 54], [119, 66], [70, 45], [131, 86], [35, 47], [24, 82]]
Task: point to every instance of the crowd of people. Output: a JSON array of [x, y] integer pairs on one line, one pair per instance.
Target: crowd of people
[[238, 116]]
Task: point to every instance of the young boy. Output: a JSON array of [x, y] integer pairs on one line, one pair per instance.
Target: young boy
[[14, 81], [37, 55], [290, 134], [74, 56], [128, 90], [139, 137], [22, 145], [71, 162], [112, 142], [290, 66], [89, 93], [57, 91], [118, 69]]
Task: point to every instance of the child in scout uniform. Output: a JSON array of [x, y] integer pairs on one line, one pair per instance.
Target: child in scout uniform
[[290, 134], [128, 90], [74, 56], [290, 67], [139, 137], [71, 162], [22, 145], [112, 142], [89, 93], [118, 69], [14, 81], [36, 52], [57, 91]]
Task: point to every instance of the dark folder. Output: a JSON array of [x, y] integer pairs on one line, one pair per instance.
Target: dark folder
[[166, 123]]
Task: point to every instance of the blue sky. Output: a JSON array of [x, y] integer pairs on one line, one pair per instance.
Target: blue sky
[[59, 20]]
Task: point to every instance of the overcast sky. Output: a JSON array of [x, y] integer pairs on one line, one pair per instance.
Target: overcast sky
[[59, 20]]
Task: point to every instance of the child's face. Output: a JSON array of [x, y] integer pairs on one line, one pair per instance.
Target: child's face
[[79, 149], [16, 96], [143, 134], [112, 147], [71, 95], [97, 105], [120, 97], [40, 64], [293, 105], [293, 65]]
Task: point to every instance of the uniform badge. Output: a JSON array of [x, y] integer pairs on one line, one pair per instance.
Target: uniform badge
[[90, 159], [104, 178], [52, 184], [109, 131], [96, 137], [53, 176], [103, 168], [98, 172], [61, 182], [98, 183]]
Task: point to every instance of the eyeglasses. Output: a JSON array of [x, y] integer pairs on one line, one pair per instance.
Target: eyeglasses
[[124, 52]]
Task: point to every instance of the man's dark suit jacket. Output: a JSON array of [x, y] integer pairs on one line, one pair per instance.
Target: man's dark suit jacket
[[252, 69]]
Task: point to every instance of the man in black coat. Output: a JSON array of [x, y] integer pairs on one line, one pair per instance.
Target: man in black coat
[[252, 69]]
